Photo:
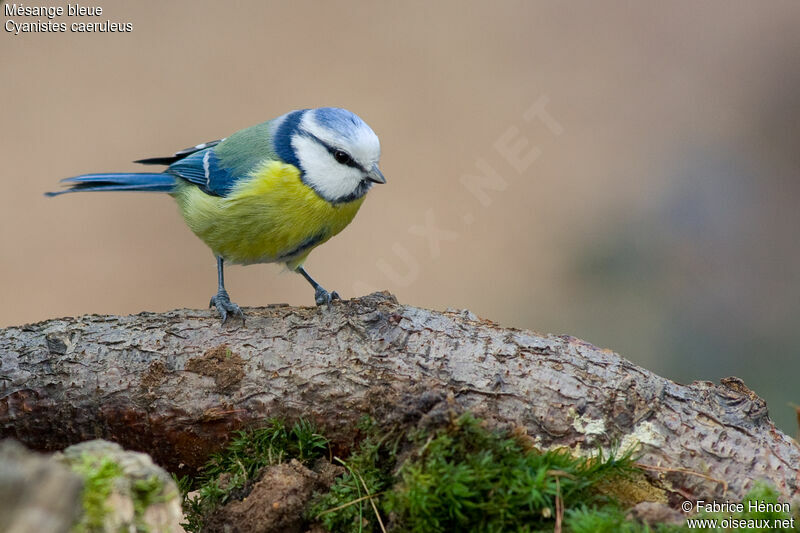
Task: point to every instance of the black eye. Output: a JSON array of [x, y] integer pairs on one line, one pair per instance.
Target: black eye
[[342, 157]]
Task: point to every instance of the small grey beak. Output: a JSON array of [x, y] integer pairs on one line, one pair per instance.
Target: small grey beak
[[376, 175]]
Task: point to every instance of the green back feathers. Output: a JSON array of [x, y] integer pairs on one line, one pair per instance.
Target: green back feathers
[[245, 151]]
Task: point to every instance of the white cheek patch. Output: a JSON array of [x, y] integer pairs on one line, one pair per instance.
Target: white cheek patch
[[322, 172]]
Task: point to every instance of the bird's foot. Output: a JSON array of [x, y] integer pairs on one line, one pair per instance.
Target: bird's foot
[[321, 296], [224, 305]]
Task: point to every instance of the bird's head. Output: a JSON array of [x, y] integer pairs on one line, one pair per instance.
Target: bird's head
[[335, 150]]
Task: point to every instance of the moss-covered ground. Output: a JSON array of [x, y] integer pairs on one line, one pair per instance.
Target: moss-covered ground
[[461, 476]]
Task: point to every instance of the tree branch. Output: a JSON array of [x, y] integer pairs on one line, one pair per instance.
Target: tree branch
[[176, 384]]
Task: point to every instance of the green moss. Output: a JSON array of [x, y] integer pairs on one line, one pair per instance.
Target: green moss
[[146, 492], [465, 477], [609, 519], [98, 475], [460, 477], [368, 472], [229, 473]]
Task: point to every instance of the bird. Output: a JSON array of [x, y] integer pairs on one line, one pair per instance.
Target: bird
[[270, 193]]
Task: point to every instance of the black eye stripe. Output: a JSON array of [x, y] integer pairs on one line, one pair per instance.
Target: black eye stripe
[[350, 162], [336, 153]]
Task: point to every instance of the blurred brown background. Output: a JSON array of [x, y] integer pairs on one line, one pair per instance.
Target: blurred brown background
[[659, 216]]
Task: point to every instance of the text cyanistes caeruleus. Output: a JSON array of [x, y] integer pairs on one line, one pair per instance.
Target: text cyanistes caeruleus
[[270, 193]]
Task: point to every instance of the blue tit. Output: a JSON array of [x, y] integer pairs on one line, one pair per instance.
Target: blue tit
[[270, 193]]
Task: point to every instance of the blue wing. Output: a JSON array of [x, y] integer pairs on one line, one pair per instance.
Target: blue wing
[[199, 165], [216, 166], [203, 168]]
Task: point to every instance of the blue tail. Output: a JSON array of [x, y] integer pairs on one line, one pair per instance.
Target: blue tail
[[137, 181]]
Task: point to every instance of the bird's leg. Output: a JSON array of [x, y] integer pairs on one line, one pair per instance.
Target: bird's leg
[[221, 300], [321, 296]]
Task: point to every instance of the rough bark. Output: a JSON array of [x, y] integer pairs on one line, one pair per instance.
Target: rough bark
[[176, 384]]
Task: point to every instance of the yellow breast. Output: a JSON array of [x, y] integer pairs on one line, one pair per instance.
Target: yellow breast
[[270, 216]]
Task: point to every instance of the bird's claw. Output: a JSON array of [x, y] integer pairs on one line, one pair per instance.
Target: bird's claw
[[321, 296], [224, 305]]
